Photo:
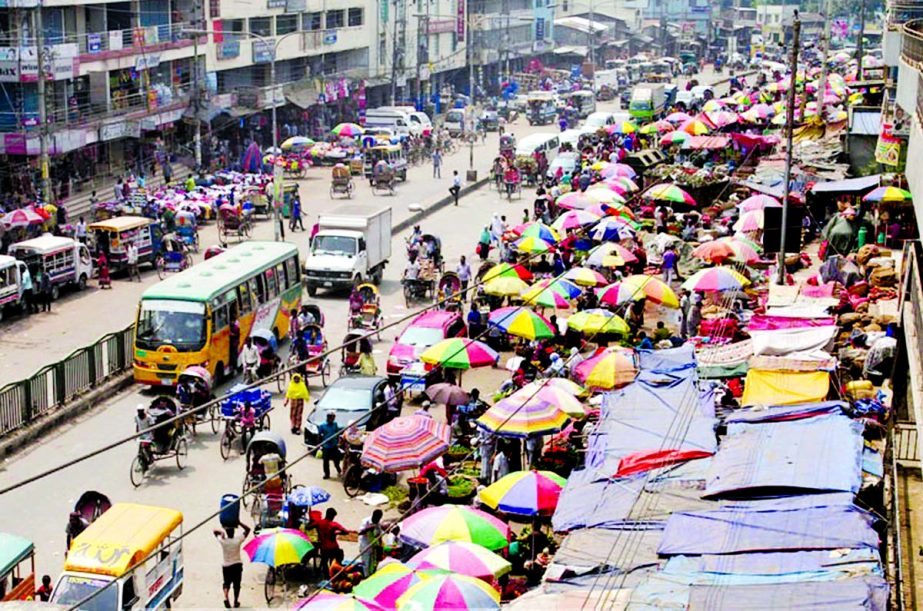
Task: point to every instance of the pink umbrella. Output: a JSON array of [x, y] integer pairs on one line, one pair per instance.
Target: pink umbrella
[[23, 217], [758, 202], [618, 169], [678, 117], [574, 201]]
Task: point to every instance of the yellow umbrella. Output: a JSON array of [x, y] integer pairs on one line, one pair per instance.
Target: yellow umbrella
[[597, 321], [505, 286]]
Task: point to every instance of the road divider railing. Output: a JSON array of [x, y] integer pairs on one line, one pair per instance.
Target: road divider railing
[[52, 386]]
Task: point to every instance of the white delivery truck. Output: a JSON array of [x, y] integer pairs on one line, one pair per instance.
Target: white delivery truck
[[352, 245], [11, 291], [419, 121], [66, 261], [394, 120]]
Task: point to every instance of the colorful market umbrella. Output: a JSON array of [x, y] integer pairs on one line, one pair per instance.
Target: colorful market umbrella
[[610, 254], [563, 287], [622, 127], [447, 394], [615, 170], [637, 287], [627, 183], [407, 442], [568, 386], [385, 586], [613, 228], [600, 165], [296, 143], [574, 219], [278, 547], [714, 251], [526, 493], [348, 130], [722, 118], [574, 200], [326, 600], [603, 195], [678, 117], [657, 127], [540, 231], [713, 105], [462, 558], [715, 279], [505, 286], [596, 321], [561, 396], [695, 127], [583, 276], [21, 217], [758, 202], [507, 270], [521, 322], [674, 138], [744, 250], [450, 591], [612, 368], [666, 192], [308, 496], [541, 295], [533, 245], [750, 221], [523, 417], [460, 353], [434, 525], [887, 194]]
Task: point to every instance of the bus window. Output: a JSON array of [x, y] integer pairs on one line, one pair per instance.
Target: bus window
[[280, 274], [258, 288], [272, 288], [220, 318], [243, 297], [291, 267]]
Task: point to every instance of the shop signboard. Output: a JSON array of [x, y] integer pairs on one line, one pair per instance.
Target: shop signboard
[[262, 51], [115, 40], [460, 21], [330, 37], [94, 43], [119, 129]]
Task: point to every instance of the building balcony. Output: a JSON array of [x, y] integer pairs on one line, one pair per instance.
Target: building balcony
[[899, 13], [912, 43], [121, 43]]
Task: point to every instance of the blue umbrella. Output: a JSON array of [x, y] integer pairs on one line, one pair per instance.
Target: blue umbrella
[[308, 496], [612, 230]]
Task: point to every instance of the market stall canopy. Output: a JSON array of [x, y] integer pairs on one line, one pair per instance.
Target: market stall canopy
[[700, 143], [849, 185]]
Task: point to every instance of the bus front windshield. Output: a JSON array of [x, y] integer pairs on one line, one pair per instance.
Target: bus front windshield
[[333, 245], [73, 589], [181, 324]]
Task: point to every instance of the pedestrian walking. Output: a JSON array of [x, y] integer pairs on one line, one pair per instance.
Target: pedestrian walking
[[684, 304], [437, 164], [328, 434], [370, 544], [463, 269], [102, 267], [167, 172], [232, 566], [28, 292], [117, 190], [44, 290], [295, 220], [456, 186], [45, 591], [131, 253], [81, 230], [669, 264], [295, 396]]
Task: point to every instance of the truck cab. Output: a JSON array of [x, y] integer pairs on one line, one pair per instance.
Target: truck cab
[[11, 278], [66, 261]]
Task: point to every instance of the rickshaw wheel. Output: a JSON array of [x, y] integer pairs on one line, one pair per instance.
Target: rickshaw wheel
[[280, 378], [187, 261], [247, 499], [182, 453], [352, 481], [256, 513], [265, 422], [269, 585], [161, 268], [213, 417], [325, 371], [137, 471], [224, 446]]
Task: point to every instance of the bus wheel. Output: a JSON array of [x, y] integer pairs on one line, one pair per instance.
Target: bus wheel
[[82, 283], [55, 292]]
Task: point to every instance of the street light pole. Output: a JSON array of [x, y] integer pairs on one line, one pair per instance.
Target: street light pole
[[789, 130]]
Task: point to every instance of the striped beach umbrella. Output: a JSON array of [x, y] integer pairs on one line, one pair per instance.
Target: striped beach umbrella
[[674, 138], [583, 276], [521, 322], [405, 443], [463, 558], [434, 525], [348, 130], [597, 320], [533, 245], [715, 279], [507, 270], [610, 254], [612, 368], [527, 493], [460, 353], [388, 583], [523, 417], [505, 286], [326, 600], [574, 219], [667, 192], [278, 547], [888, 194], [450, 591], [563, 397], [758, 202]]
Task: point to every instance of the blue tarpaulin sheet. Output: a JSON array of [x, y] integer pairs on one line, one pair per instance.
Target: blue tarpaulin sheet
[[777, 413], [729, 531], [588, 501], [774, 567], [823, 453], [861, 593]]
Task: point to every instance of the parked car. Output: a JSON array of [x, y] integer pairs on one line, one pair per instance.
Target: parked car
[[422, 332], [350, 398]]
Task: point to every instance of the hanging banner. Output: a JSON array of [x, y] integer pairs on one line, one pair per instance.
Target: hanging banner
[[94, 43], [888, 152], [460, 21]]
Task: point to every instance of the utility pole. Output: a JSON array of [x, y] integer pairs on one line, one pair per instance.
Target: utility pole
[[860, 46], [789, 130], [470, 49], [506, 38], [195, 90], [394, 52], [44, 192], [825, 48], [590, 51]]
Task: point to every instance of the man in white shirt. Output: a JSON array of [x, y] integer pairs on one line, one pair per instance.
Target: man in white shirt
[[131, 252], [232, 567], [250, 359], [456, 186], [81, 231], [464, 272]]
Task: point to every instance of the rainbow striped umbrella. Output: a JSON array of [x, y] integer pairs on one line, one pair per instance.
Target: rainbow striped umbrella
[[574, 219], [583, 276], [674, 138], [505, 286], [541, 295], [348, 130], [598, 321], [888, 194], [744, 250], [533, 245], [722, 118], [525, 493], [460, 353], [326, 600], [389, 582], [612, 368], [617, 209], [434, 525], [603, 195], [613, 228], [610, 254], [562, 397], [507, 270], [568, 386], [627, 183], [450, 591], [666, 192], [615, 170], [622, 127], [714, 250], [405, 443], [695, 127], [523, 417], [540, 231], [462, 558], [713, 105], [715, 279], [278, 547], [657, 127], [521, 322], [758, 202], [654, 289], [563, 287]]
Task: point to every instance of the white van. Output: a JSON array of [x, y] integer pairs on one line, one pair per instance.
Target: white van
[[544, 142], [419, 120], [599, 119], [455, 121], [394, 120], [11, 273], [66, 261]]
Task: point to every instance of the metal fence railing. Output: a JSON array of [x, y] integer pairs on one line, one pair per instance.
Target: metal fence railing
[[54, 385]]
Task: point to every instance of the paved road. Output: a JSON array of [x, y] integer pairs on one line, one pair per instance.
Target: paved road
[[44, 505]]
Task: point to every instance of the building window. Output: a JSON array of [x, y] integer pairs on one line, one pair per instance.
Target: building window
[[436, 45], [454, 41], [564, 6], [382, 51], [335, 19], [354, 17], [261, 26], [311, 21], [286, 24]]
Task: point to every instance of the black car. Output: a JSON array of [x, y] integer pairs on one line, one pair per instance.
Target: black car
[[350, 398]]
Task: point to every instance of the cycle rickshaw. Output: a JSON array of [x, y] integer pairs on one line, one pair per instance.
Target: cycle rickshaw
[[167, 441], [341, 181], [368, 316], [318, 363], [232, 222], [382, 178], [187, 229], [265, 464]]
